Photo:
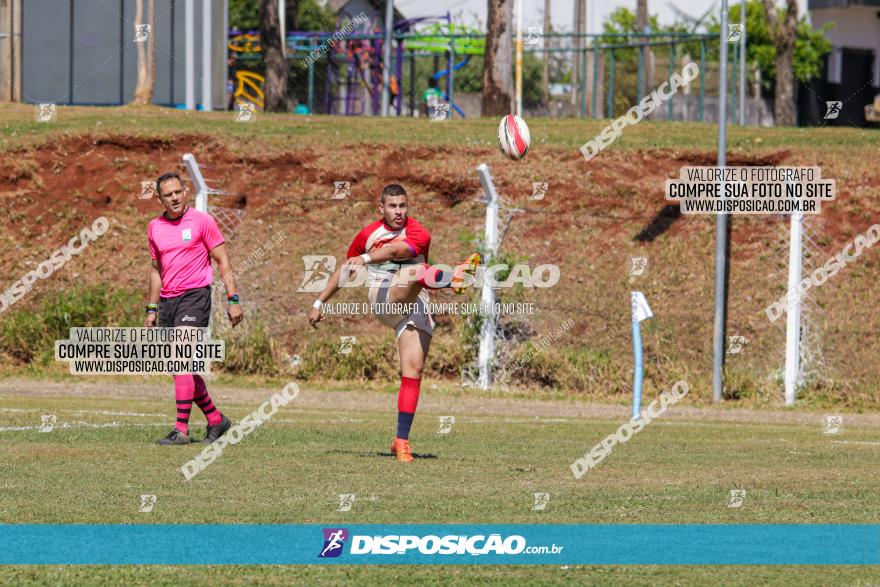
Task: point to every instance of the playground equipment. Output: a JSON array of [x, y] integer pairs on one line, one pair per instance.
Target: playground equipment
[[351, 65], [353, 81], [440, 38], [354, 70], [353, 75]]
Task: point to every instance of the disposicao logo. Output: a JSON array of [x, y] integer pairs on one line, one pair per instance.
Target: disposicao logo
[[334, 540], [443, 545]]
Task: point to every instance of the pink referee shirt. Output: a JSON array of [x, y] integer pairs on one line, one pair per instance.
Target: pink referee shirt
[[183, 248]]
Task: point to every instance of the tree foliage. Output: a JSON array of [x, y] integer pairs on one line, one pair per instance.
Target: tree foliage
[[810, 44]]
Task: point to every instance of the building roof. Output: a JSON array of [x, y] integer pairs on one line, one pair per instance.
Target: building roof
[[379, 5]]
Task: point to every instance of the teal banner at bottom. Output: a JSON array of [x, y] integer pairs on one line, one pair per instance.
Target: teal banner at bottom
[[625, 544]]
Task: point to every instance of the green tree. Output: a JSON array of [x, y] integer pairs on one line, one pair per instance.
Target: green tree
[[244, 14], [310, 15], [809, 49], [623, 21], [810, 45]]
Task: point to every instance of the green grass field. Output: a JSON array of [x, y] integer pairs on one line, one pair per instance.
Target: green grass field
[[99, 459], [504, 446]]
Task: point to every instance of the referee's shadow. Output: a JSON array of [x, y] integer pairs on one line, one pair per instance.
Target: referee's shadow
[[384, 454]]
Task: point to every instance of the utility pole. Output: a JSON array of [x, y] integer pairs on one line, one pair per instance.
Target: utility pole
[[580, 19], [545, 77], [721, 224], [742, 65], [643, 26], [386, 56]]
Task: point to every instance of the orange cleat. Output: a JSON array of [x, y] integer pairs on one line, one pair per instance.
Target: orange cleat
[[468, 267], [400, 448]]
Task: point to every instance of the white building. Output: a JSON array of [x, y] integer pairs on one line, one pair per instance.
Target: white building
[[852, 72]]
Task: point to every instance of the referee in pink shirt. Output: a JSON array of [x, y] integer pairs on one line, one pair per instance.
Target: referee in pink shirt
[[182, 243]]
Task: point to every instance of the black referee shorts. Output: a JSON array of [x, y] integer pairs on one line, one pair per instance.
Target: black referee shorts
[[192, 308]]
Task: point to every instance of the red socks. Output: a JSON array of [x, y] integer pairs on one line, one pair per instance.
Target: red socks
[[407, 400], [433, 277]]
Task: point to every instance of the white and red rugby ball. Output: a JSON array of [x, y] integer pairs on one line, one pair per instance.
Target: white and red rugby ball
[[513, 137]]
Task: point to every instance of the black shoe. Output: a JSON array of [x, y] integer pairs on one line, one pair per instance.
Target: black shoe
[[218, 430], [175, 437]]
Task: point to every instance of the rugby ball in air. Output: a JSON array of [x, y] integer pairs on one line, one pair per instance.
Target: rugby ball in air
[[513, 137]]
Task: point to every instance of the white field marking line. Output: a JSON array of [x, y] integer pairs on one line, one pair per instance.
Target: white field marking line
[[741, 424], [512, 420], [864, 442], [380, 415], [327, 420], [67, 425], [64, 410], [537, 420]]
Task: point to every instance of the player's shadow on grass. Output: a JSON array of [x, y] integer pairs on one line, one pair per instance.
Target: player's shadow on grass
[[387, 453], [660, 224]]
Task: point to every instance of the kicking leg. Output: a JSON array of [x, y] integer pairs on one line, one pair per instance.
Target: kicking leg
[[410, 281], [413, 345]]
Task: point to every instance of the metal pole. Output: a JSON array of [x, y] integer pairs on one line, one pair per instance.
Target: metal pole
[[386, 56], [734, 106], [519, 52], [637, 369], [311, 98], [487, 296], [198, 181], [583, 82], [225, 9], [793, 321], [190, 54], [610, 112], [742, 65], [671, 71], [702, 80], [412, 83], [351, 81], [451, 76], [329, 97], [207, 104], [593, 112], [720, 222], [375, 92], [640, 76], [282, 24], [640, 311], [398, 67]]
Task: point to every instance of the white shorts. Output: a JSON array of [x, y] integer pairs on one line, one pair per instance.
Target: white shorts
[[420, 318]]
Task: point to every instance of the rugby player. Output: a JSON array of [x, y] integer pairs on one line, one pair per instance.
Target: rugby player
[[394, 250], [182, 243]]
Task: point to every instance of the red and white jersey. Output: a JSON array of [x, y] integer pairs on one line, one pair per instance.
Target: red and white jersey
[[377, 234]]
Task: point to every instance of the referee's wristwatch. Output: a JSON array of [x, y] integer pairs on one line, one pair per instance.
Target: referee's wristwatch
[[233, 299]]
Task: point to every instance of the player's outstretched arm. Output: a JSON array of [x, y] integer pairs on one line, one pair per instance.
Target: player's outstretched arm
[[315, 314], [233, 310]]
